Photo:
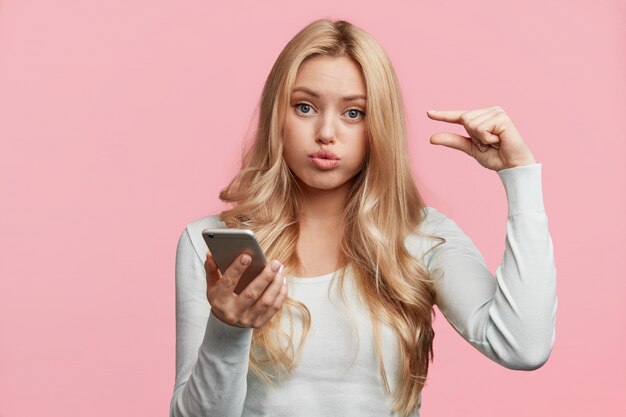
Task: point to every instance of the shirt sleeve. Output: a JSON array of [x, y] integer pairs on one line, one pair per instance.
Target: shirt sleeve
[[211, 356], [510, 319]]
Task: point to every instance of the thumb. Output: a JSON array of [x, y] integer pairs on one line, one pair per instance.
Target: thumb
[[452, 140]]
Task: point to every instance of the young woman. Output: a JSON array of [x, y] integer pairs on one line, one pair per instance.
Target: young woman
[[339, 323]]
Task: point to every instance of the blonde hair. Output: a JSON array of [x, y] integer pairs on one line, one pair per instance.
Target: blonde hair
[[383, 208]]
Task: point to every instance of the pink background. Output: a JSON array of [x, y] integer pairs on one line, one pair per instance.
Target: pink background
[[121, 120]]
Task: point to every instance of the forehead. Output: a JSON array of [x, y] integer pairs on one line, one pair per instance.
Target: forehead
[[331, 76]]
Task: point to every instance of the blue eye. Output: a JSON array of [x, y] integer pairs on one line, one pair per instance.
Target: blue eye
[[355, 113], [303, 107]]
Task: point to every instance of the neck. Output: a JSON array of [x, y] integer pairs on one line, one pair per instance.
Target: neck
[[323, 205], [320, 229]]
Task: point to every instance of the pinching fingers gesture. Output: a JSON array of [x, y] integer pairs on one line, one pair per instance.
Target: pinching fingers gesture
[[493, 139]]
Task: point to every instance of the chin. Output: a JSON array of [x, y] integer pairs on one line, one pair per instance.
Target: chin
[[325, 185], [319, 185]]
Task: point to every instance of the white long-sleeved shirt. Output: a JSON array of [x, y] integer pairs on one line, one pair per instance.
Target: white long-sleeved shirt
[[509, 319]]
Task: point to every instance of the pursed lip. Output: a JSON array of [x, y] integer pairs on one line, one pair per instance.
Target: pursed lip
[[324, 160], [324, 154]]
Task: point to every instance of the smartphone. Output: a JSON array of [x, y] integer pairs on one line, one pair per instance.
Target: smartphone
[[227, 244]]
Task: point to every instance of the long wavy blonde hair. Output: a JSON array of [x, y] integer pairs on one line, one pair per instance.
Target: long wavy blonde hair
[[384, 207]]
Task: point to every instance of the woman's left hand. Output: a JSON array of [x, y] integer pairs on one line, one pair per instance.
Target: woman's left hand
[[493, 139]]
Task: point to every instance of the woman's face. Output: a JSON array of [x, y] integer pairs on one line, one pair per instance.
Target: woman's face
[[325, 130]]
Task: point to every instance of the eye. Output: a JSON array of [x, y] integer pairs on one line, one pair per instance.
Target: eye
[[355, 114], [303, 108]]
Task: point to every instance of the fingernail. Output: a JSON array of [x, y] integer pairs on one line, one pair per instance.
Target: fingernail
[[482, 148], [431, 111], [275, 266], [245, 259]]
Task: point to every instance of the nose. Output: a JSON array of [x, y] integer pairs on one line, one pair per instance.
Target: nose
[[325, 130]]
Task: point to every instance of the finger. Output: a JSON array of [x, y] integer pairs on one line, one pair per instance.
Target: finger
[[452, 116], [495, 126], [452, 140], [212, 273], [267, 299], [473, 119], [482, 126], [456, 116], [231, 276], [278, 303], [258, 285], [485, 131], [476, 141]]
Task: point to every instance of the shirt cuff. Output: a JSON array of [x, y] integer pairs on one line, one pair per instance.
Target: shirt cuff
[[230, 342], [523, 188]]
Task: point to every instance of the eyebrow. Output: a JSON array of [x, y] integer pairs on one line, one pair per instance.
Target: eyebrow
[[316, 95]]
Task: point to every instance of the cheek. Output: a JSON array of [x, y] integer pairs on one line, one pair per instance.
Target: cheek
[[290, 134], [363, 146], [289, 150]]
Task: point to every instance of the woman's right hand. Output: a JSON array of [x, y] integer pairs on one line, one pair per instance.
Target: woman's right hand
[[256, 304]]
